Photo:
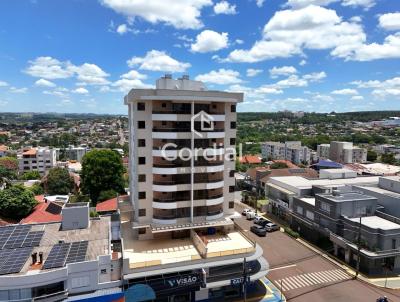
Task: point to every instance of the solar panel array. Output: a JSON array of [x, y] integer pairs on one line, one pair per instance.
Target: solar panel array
[[13, 260], [77, 252], [19, 236], [64, 253]]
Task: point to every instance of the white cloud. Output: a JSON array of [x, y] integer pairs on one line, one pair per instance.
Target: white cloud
[[81, 90], [260, 3], [291, 81], [44, 83], [156, 60], [209, 40], [48, 68], [18, 90], [323, 98], [282, 71], [250, 72], [366, 4], [130, 80], [59, 92], [3, 84], [265, 89], [90, 74], [346, 91], [356, 19], [122, 29], [221, 76], [390, 21], [239, 41], [180, 14], [303, 62], [357, 98], [381, 89], [288, 32], [315, 76], [224, 7]]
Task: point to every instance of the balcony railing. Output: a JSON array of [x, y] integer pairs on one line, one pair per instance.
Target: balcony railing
[[177, 129], [179, 147], [185, 182], [186, 164], [176, 199], [215, 112]]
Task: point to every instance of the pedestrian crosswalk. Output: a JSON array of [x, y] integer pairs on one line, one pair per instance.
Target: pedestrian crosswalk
[[311, 279]]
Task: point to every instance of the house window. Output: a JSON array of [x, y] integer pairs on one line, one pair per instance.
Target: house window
[[325, 207], [142, 212], [231, 204], [142, 160], [142, 195], [142, 231], [103, 271], [141, 106], [231, 189], [233, 108], [141, 177], [232, 173], [233, 141], [141, 142], [233, 125], [163, 105], [309, 215], [141, 124], [393, 244]]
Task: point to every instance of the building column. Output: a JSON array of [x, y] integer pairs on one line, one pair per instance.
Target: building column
[[347, 253]]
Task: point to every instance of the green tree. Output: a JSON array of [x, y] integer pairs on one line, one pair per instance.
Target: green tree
[[388, 158], [102, 170], [58, 181], [30, 175], [371, 155], [37, 189], [106, 195], [16, 202], [279, 165]]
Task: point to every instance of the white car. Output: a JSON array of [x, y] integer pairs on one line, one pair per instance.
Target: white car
[[258, 218], [244, 212], [250, 215]]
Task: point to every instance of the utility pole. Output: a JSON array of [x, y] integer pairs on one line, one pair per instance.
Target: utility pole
[[358, 249]]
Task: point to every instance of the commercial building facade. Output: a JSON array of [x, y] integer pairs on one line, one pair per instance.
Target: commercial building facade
[[181, 205]]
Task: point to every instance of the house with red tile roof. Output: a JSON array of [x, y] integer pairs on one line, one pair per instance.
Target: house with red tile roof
[[250, 159], [44, 212], [110, 205]]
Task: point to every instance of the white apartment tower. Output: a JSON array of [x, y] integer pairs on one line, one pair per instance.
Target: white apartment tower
[[39, 159], [181, 227]]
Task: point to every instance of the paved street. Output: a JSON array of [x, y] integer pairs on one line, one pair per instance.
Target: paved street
[[307, 276]]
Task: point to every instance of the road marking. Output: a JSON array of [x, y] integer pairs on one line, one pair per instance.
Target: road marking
[[282, 267], [312, 279]]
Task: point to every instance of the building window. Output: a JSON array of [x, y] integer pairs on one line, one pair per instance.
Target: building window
[[232, 173], [233, 108], [141, 124], [142, 160], [164, 123], [299, 210], [142, 195], [164, 105], [233, 125], [103, 271], [393, 244], [141, 177], [231, 204], [309, 215], [214, 106], [142, 212], [325, 207], [231, 189], [142, 231], [233, 141], [141, 107], [141, 143]]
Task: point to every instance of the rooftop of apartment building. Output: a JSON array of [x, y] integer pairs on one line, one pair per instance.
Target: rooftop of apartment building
[[376, 222], [345, 196], [58, 247]]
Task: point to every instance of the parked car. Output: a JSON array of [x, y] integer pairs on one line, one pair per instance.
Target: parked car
[[244, 212], [260, 220], [264, 222], [250, 215], [258, 230], [271, 227]]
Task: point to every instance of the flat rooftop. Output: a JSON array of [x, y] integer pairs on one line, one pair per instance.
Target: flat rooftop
[[49, 235], [153, 252], [309, 200], [375, 222], [347, 196]]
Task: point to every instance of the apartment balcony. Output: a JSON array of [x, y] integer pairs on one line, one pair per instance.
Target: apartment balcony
[[215, 214], [185, 133], [183, 202], [182, 185]]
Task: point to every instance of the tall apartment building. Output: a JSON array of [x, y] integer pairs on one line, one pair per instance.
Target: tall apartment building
[[342, 152], [180, 241], [292, 151], [75, 153], [39, 159]]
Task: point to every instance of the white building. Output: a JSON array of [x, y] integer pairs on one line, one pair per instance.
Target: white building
[[292, 151], [56, 261], [179, 228], [75, 153], [342, 152], [39, 159]]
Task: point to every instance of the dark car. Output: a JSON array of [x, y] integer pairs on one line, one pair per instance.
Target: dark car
[[261, 221], [258, 230]]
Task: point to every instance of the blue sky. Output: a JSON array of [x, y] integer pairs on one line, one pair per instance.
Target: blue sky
[[311, 55]]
